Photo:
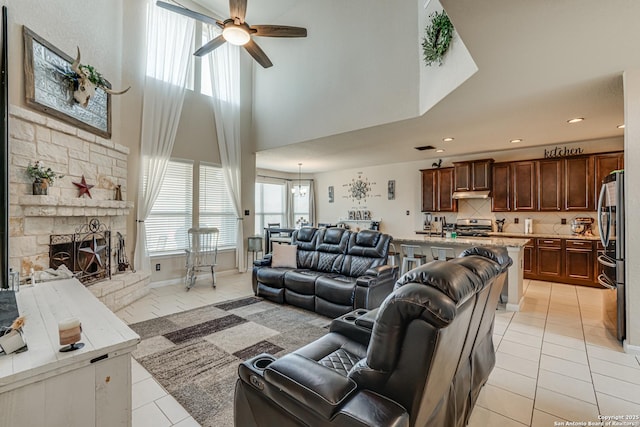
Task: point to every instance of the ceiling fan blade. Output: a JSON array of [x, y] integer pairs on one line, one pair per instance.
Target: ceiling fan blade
[[258, 54], [189, 13], [210, 45], [238, 9], [278, 31]]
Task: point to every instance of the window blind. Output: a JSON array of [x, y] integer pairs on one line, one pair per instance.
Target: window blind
[[216, 207], [171, 215]]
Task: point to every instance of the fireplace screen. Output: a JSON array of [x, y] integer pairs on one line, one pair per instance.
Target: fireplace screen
[[87, 252]]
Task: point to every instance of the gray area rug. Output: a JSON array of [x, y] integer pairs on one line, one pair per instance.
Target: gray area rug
[[195, 354]]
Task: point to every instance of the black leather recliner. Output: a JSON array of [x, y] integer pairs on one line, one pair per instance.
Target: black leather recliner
[[337, 271], [419, 360]]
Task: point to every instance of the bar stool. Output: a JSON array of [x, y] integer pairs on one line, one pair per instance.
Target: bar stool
[[411, 254], [442, 254], [254, 244], [393, 257]]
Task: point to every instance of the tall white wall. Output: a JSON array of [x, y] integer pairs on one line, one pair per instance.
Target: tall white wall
[[632, 204], [294, 102]]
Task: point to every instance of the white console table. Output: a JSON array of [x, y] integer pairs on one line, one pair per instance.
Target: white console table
[[86, 387]]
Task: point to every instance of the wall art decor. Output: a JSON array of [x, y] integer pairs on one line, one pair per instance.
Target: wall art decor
[[47, 89], [391, 189], [331, 198], [359, 189]]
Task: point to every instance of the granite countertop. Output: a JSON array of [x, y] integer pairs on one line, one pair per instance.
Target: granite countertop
[[544, 236], [465, 241]]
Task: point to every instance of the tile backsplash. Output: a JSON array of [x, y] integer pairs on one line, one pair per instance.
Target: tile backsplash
[[543, 222]]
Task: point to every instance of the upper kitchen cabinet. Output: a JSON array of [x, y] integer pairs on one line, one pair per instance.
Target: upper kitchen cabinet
[[473, 176], [549, 176], [437, 190], [501, 187], [604, 164], [578, 194], [524, 186], [558, 184]]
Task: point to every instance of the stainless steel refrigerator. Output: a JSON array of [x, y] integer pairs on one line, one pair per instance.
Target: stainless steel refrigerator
[[611, 259]]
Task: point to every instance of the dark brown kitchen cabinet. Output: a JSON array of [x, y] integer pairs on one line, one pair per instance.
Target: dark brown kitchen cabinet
[[524, 186], [429, 190], [561, 260], [578, 261], [549, 258], [604, 164], [549, 176], [529, 259], [501, 187], [578, 193], [473, 176], [437, 190]]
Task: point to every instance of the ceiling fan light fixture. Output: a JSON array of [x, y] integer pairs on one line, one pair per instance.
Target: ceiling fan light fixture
[[448, 139], [235, 35], [440, 150], [515, 141], [620, 126], [576, 120]]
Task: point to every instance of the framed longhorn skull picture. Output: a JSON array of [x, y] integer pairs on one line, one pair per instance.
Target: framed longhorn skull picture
[[62, 87]]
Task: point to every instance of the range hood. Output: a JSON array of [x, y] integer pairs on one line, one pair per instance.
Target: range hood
[[471, 194]]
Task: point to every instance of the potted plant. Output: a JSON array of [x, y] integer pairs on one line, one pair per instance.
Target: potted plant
[[42, 177]]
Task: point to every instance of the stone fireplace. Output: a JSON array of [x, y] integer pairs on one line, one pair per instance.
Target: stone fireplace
[[35, 219]]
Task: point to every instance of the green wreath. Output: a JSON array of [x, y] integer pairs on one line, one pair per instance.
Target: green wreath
[[437, 39]]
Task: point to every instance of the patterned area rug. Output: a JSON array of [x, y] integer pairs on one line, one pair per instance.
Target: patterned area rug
[[195, 354]]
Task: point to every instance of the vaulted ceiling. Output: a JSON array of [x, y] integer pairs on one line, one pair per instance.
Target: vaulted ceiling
[[332, 103]]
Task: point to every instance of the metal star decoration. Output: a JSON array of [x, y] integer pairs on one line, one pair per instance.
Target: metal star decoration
[[93, 252], [83, 187]]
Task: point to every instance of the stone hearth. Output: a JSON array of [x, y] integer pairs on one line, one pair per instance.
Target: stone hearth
[[33, 219]]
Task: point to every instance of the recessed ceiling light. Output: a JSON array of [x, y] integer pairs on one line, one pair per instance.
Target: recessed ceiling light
[[439, 150], [576, 120], [620, 126], [514, 141], [448, 139]]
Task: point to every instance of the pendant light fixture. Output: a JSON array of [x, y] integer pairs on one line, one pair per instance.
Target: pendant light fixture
[[300, 190]]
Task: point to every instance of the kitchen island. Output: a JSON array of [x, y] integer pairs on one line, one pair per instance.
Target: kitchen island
[[90, 386], [514, 246]]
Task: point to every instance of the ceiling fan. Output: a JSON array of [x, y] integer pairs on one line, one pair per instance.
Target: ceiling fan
[[236, 31]]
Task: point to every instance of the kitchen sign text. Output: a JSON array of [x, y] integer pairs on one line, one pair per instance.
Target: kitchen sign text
[[562, 152]]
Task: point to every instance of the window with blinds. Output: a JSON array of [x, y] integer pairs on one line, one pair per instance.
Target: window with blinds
[[269, 205], [171, 215], [216, 206]]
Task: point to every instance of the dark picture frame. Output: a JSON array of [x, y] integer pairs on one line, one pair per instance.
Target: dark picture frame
[[391, 189], [47, 91], [331, 194]]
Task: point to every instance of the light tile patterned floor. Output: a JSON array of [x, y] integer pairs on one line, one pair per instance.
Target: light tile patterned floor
[[555, 361]]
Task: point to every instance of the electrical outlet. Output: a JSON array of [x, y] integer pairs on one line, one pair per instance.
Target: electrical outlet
[[563, 221], [408, 213], [158, 267], [516, 220]]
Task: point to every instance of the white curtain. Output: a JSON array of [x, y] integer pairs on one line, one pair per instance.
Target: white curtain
[[290, 221], [225, 82], [312, 203], [169, 50]]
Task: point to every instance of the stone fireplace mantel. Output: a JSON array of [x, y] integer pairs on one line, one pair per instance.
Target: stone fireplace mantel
[[65, 207]]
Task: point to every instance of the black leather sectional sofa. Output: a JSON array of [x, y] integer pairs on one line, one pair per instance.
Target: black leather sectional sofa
[[337, 271], [419, 360]]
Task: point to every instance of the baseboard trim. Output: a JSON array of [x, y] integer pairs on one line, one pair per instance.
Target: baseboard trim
[[180, 280], [629, 348]]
